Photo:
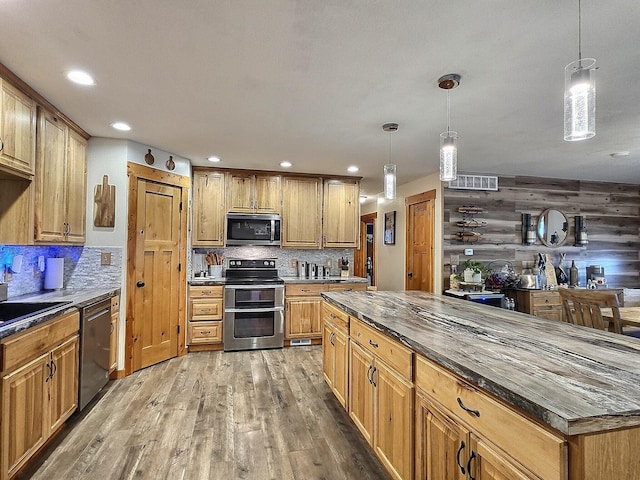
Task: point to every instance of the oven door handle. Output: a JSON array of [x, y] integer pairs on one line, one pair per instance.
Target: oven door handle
[[254, 287], [254, 310]]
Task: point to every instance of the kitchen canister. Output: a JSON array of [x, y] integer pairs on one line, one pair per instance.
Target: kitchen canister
[[54, 274]]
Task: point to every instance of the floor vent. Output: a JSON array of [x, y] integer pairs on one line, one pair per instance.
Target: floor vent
[[299, 342], [474, 182]]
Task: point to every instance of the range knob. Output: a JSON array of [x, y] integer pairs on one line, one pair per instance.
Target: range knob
[[266, 262], [272, 263]]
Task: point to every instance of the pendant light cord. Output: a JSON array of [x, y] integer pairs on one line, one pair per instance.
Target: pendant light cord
[[389, 160], [448, 111], [580, 32]]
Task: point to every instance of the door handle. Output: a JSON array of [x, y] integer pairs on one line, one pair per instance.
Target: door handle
[[410, 274], [140, 284]]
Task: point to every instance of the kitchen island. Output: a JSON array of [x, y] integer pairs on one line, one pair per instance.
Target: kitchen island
[[579, 387]]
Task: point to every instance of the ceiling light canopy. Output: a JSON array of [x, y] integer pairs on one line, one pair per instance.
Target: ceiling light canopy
[[448, 139], [390, 168], [80, 77], [580, 94], [123, 127]]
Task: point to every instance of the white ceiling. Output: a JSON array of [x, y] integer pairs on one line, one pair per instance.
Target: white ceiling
[[260, 81]]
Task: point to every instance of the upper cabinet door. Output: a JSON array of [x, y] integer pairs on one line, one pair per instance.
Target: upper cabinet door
[[76, 180], [301, 212], [248, 193], [208, 208], [17, 131], [341, 214]]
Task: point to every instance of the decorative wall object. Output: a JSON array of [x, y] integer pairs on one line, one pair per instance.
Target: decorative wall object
[[149, 158], [469, 224], [528, 230], [170, 163], [390, 228], [581, 230], [104, 204]]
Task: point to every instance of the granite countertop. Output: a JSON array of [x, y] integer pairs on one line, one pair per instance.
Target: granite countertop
[[207, 281], [574, 379], [331, 279], [75, 298]]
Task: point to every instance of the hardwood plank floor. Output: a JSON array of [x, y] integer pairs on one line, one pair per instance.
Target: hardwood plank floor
[[256, 415]]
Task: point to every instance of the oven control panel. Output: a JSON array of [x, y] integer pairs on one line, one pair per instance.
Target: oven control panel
[[268, 263]]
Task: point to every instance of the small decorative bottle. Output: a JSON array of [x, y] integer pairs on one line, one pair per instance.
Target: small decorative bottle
[[573, 274]]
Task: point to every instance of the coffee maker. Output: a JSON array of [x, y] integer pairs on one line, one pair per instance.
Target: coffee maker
[[595, 277]]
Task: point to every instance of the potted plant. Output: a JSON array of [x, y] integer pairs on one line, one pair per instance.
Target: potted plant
[[473, 270]]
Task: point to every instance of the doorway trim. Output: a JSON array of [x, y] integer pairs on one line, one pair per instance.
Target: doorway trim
[[137, 172], [412, 200], [362, 251]]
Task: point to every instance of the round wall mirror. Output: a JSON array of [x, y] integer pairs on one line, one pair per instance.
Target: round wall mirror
[[553, 227]]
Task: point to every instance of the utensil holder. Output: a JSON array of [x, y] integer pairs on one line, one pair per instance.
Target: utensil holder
[[215, 271]]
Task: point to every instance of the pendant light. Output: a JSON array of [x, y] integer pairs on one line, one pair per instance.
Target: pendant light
[[580, 94], [448, 139], [390, 168]]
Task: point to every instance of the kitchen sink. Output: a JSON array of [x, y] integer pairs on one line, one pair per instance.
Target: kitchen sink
[[12, 311]]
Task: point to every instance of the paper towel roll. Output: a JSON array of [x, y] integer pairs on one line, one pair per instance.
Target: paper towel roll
[[54, 273]]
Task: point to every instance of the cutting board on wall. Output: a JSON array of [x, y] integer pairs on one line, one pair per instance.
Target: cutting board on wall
[[104, 206]]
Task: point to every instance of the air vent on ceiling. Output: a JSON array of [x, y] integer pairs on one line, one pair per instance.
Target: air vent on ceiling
[[474, 182]]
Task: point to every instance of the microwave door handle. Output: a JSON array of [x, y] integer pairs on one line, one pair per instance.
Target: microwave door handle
[[273, 230]]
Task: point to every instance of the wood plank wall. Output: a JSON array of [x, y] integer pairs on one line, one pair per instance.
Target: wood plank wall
[[611, 210]]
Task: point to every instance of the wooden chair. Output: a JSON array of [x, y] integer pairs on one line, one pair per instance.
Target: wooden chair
[[583, 307]]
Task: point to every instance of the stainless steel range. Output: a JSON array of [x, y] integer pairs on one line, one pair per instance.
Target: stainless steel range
[[253, 305]]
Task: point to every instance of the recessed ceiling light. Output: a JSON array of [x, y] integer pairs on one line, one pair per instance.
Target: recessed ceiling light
[[286, 164], [619, 154], [123, 127], [214, 159], [80, 77], [353, 169]]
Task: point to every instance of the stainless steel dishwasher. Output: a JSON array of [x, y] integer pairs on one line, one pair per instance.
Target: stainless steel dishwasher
[[95, 332]]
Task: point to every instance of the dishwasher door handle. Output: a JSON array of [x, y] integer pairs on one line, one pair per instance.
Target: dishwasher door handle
[[98, 314]]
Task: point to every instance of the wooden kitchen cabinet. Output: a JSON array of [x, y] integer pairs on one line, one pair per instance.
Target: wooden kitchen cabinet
[[208, 210], [39, 388], [381, 392], [113, 338], [204, 326], [17, 131], [251, 193], [303, 304], [459, 427], [302, 212], [335, 351], [341, 214], [541, 303], [60, 181]]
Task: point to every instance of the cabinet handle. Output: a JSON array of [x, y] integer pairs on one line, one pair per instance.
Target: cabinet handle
[[50, 373], [368, 377], [348, 289], [374, 345], [467, 409], [206, 292], [1, 145], [207, 332], [462, 445], [331, 337], [112, 329], [205, 309], [471, 457], [332, 315], [373, 372], [305, 290], [55, 368]]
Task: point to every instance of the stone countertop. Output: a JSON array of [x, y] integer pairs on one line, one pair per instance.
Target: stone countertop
[[75, 299], [207, 281], [332, 279], [574, 379]]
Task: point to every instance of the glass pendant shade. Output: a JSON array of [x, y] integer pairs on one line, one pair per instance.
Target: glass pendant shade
[[580, 100], [390, 181], [448, 156]]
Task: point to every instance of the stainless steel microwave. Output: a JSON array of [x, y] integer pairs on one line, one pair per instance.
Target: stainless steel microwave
[[253, 229]]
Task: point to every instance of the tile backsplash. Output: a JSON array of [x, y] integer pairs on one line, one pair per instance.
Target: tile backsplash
[[82, 267]]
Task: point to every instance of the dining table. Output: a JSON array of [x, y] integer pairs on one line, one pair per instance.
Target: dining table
[[630, 316]]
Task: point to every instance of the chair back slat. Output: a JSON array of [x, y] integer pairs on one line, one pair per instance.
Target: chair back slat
[[583, 307]]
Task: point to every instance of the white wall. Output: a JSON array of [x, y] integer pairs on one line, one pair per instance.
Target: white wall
[[391, 263]]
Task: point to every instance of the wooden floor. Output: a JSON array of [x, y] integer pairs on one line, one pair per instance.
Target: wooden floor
[[256, 415]]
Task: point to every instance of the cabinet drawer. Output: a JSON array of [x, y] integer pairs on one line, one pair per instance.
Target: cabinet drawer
[[539, 299], [347, 287], [528, 443], [205, 310], [304, 289], [389, 351], [115, 304], [208, 291], [205, 332], [22, 347], [335, 316]]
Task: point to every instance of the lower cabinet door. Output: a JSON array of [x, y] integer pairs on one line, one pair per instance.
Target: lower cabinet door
[[341, 361], [24, 398], [303, 318], [63, 385], [328, 354], [393, 441], [442, 446], [361, 390], [488, 464]]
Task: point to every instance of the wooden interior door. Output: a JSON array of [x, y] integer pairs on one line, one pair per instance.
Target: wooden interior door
[[156, 322], [420, 228]]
